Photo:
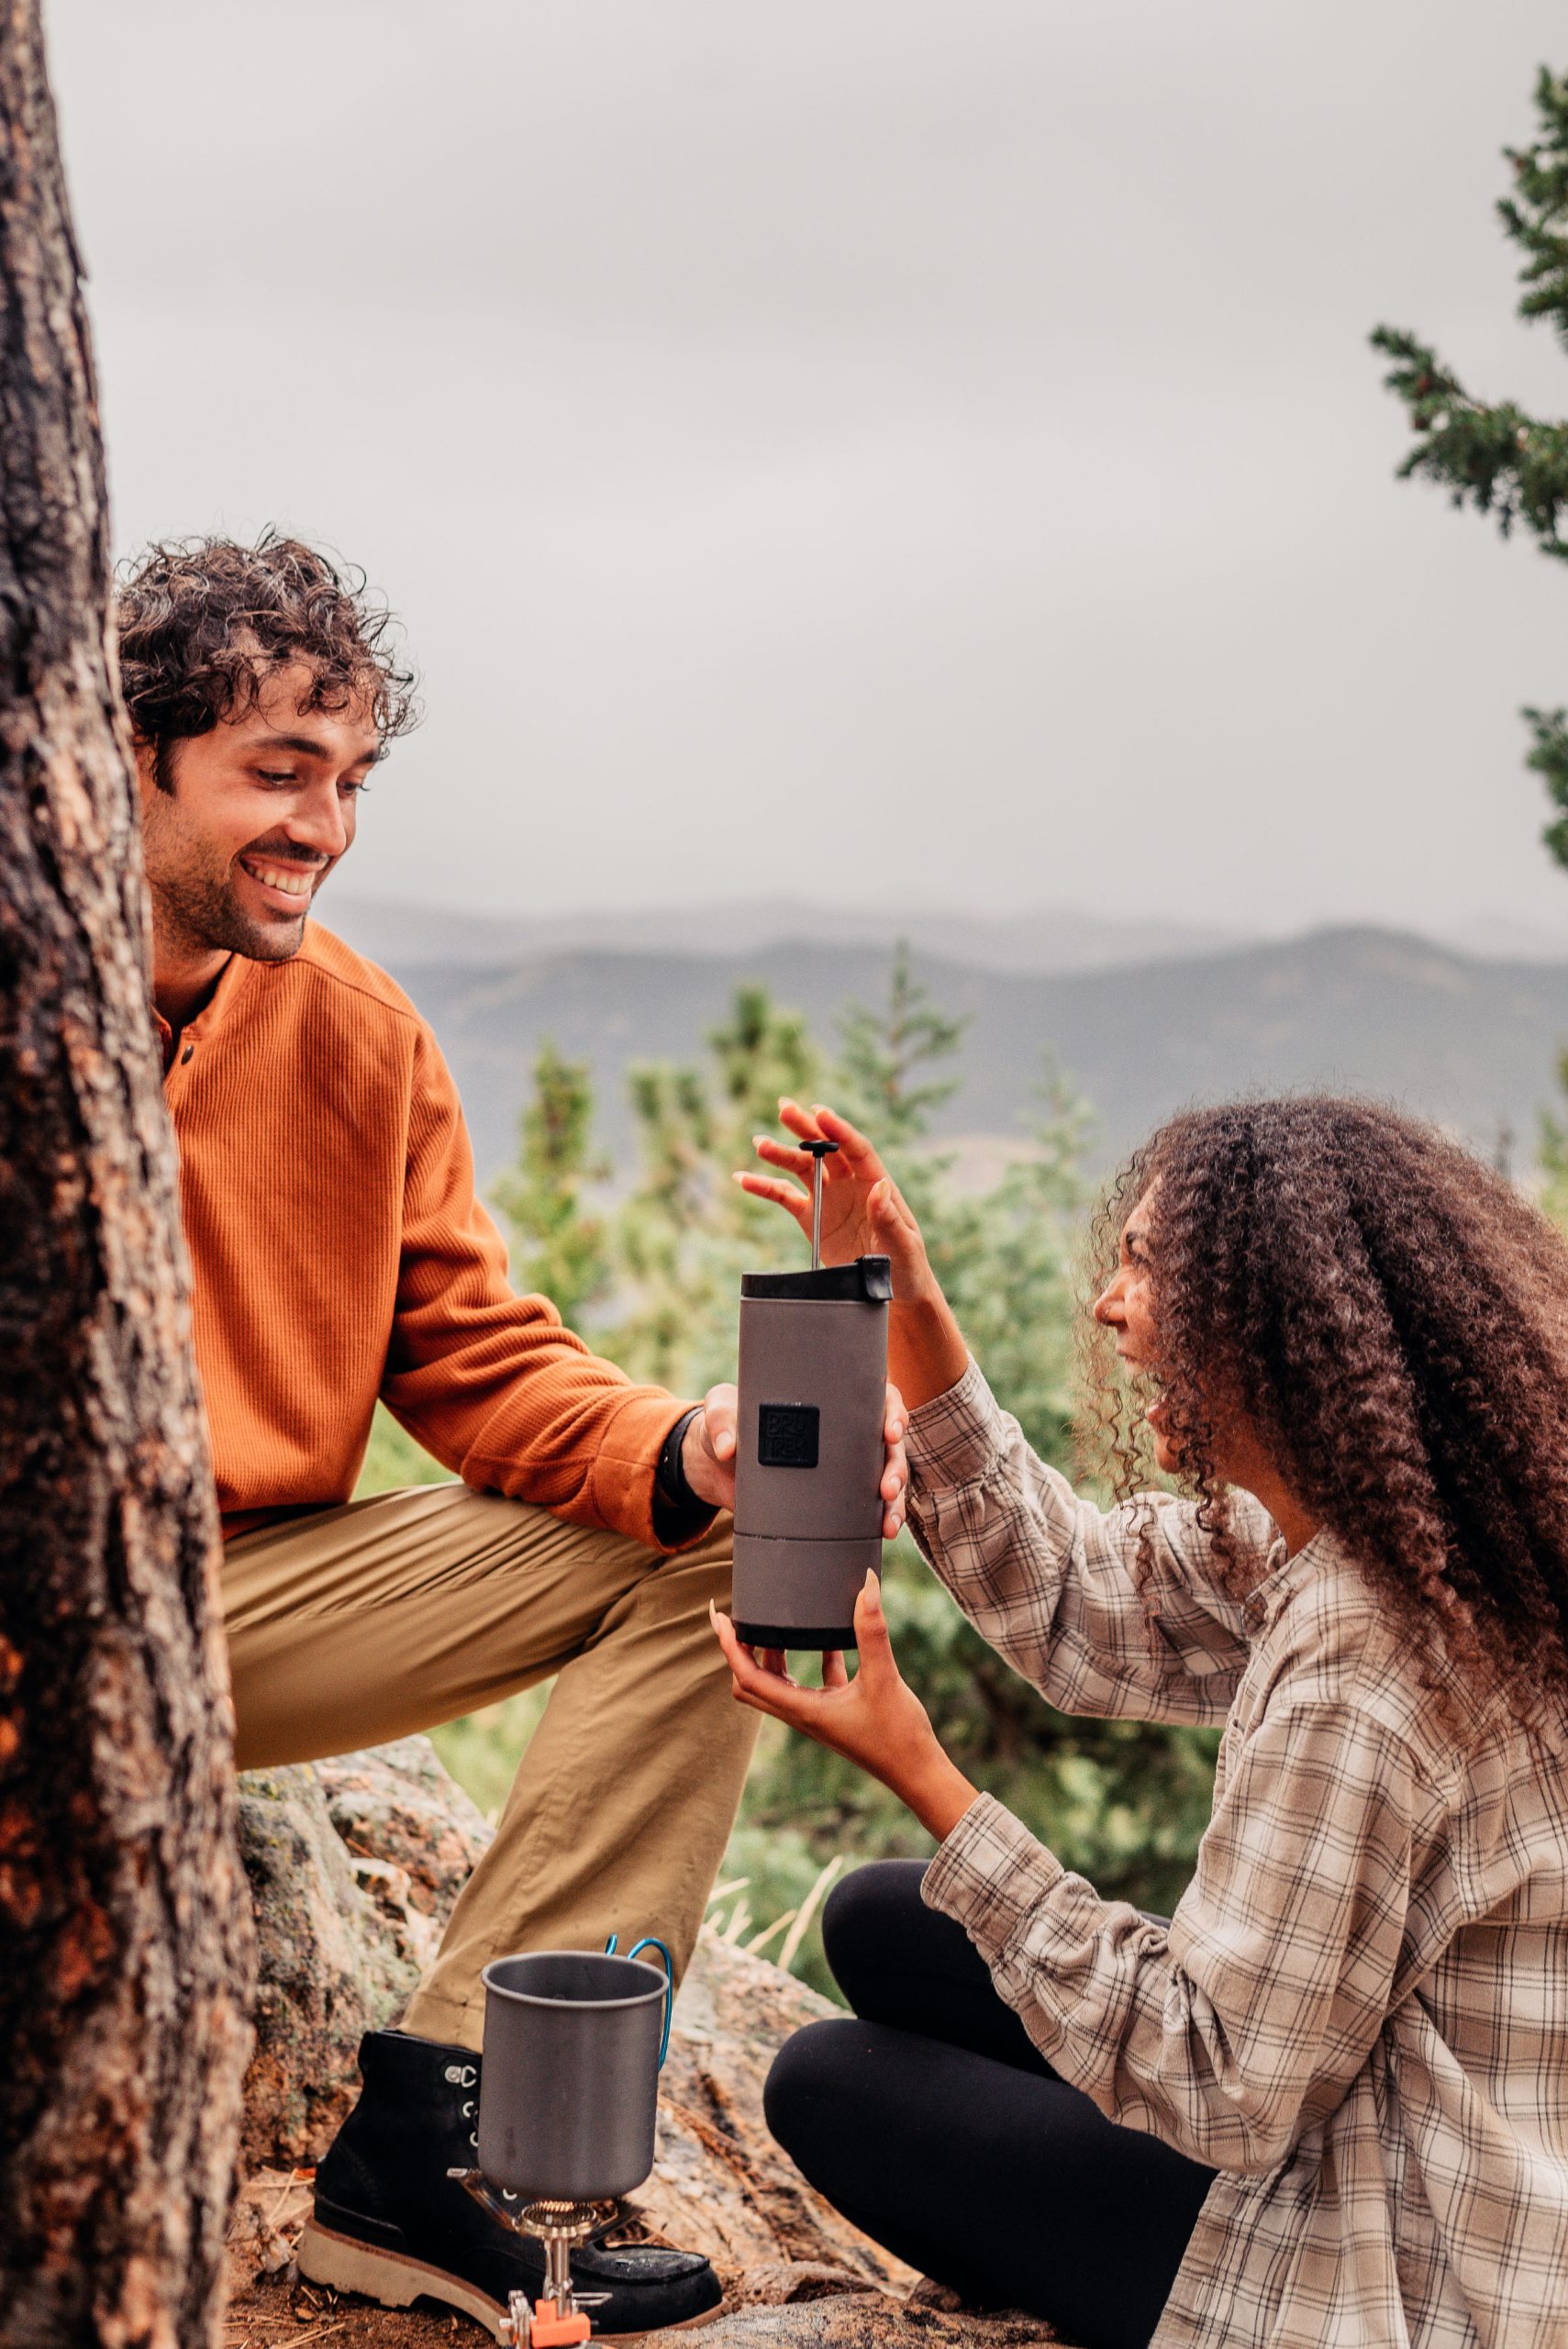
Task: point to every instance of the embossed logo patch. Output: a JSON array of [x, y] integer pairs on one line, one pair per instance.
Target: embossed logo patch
[[786, 1435]]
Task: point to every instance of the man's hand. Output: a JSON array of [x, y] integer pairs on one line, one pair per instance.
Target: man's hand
[[708, 1455], [876, 1719]]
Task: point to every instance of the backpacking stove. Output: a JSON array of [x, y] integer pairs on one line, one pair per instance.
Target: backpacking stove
[[560, 2316]]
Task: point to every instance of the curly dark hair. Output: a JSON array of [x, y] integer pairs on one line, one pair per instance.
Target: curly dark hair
[[1391, 1317], [204, 621]]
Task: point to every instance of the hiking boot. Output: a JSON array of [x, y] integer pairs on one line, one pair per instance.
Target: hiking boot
[[388, 2221]]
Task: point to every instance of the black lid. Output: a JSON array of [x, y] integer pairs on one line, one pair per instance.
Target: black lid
[[868, 1280]]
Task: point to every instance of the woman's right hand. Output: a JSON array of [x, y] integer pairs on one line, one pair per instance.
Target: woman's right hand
[[863, 1212]]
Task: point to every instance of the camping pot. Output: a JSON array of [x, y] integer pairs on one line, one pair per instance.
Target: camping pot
[[809, 1455], [570, 2084]]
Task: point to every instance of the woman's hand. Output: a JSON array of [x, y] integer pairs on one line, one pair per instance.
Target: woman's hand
[[707, 1454], [876, 1719], [864, 1214]]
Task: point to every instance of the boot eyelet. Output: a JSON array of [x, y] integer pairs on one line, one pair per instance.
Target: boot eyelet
[[468, 2110], [473, 2139]]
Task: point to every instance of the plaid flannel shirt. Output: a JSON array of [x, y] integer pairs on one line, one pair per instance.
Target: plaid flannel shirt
[[1359, 2014]]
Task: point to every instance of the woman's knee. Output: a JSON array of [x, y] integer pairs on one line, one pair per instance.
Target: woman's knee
[[867, 1913], [803, 2095]]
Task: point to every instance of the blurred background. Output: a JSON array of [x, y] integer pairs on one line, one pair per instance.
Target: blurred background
[[870, 472]]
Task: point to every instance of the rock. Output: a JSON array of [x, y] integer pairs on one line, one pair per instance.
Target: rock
[[397, 1805], [871, 2321], [782, 2285], [331, 1966]]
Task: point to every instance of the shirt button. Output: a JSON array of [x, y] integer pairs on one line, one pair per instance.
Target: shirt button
[[186, 1054]]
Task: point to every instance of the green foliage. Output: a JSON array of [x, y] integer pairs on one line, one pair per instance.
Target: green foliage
[[394, 1459], [685, 1235], [881, 1054], [560, 1250], [1554, 1159], [1491, 454], [1550, 761]]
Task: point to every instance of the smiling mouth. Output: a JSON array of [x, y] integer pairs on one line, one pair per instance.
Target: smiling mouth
[[296, 881], [1156, 1409]]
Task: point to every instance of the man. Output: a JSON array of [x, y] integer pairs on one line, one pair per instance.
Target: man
[[339, 1253]]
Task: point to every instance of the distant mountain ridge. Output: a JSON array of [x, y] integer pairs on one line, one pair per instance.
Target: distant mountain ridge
[[1049, 939], [1470, 1043]]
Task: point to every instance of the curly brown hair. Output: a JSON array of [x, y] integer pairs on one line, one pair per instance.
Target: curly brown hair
[[204, 621], [1391, 1317]]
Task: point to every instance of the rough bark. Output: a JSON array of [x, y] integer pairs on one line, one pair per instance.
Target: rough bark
[[124, 1928]]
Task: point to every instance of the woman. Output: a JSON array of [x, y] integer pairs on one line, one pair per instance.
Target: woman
[[1328, 2102]]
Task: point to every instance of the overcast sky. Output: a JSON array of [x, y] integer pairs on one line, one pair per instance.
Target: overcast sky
[[857, 448]]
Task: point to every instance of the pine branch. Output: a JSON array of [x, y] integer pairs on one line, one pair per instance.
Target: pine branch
[[1550, 761]]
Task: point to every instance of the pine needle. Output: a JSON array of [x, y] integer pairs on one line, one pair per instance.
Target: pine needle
[[759, 1942], [808, 1907]]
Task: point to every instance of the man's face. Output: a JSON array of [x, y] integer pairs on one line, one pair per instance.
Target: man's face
[[262, 808]]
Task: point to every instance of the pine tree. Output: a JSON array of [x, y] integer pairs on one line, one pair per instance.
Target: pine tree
[[1493, 455], [688, 1233], [560, 1249], [882, 1052]]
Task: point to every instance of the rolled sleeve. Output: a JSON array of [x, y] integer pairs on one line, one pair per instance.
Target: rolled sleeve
[[953, 1439], [990, 1877]]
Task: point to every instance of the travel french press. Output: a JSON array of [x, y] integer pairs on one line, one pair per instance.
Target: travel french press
[[810, 1453]]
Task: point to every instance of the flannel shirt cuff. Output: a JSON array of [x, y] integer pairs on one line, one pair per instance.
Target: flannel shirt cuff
[[953, 1439], [990, 1875]]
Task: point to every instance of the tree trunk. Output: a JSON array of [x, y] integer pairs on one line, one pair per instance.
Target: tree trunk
[[125, 1938]]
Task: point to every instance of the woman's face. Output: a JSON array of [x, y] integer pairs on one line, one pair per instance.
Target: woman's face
[[1127, 1306]]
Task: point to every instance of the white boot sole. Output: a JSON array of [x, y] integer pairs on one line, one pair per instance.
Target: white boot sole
[[396, 2282]]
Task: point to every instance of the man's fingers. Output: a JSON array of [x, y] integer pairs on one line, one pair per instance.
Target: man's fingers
[[721, 1421]]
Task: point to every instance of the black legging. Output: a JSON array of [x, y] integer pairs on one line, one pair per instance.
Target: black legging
[[933, 2122]]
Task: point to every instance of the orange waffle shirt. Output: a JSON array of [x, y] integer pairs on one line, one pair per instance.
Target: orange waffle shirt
[[339, 1253]]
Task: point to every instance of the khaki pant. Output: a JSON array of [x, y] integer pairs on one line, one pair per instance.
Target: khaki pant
[[394, 1614]]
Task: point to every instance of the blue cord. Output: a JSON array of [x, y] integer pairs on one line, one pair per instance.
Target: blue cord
[[651, 1941]]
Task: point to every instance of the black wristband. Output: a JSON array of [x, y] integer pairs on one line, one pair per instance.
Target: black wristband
[[669, 1475]]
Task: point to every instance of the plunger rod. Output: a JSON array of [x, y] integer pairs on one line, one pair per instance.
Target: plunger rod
[[820, 1151]]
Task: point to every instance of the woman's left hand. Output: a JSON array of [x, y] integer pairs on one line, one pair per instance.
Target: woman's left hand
[[876, 1719]]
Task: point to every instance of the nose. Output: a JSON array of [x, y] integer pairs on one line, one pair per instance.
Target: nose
[[1108, 1307], [319, 822]]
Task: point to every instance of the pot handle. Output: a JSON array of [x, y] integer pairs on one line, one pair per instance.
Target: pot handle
[[649, 1940]]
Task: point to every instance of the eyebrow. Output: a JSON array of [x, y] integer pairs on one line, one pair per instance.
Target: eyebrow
[[307, 748]]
